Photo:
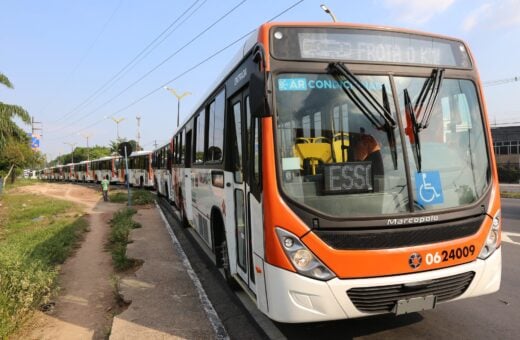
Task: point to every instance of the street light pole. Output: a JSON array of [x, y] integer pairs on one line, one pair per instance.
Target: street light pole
[[117, 121], [329, 12], [179, 97], [72, 145]]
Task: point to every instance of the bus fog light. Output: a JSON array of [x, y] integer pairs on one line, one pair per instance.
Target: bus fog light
[[303, 260]]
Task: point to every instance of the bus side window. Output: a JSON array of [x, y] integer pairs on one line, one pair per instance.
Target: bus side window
[[198, 152], [255, 152]]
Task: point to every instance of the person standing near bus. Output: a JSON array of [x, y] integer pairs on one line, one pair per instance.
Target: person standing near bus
[[104, 186]]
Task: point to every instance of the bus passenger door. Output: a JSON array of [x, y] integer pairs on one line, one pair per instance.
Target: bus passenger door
[[241, 123]]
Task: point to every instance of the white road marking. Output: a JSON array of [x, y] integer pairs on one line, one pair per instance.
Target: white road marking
[[506, 237], [217, 325]]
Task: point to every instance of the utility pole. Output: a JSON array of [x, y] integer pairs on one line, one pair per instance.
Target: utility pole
[[138, 132], [87, 136], [35, 128], [155, 144]]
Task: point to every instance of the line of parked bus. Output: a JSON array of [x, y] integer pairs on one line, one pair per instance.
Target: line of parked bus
[[140, 170]]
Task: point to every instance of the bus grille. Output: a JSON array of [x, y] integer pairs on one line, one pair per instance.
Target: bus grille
[[392, 237], [384, 298]]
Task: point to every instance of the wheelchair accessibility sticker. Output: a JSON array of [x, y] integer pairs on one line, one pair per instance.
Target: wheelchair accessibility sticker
[[428, 188]]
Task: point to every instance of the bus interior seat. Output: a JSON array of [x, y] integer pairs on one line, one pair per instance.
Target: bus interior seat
[[312, 152], [340, 144]]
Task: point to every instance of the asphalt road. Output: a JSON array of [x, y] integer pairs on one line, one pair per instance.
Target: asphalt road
[[495, 316]]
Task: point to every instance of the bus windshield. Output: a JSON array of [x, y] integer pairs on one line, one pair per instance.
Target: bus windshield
[[335, 160]]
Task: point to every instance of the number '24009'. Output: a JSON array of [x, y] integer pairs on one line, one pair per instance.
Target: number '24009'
[[449, 255]]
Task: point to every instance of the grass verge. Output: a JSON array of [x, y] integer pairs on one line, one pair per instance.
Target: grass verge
[[121, 225], [36, 235], [507, 194], [139, 196], [20, 182]]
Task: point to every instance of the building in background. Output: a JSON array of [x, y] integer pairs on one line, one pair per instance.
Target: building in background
[[506, 142]]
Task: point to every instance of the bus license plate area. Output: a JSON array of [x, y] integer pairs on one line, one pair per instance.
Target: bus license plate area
[[415, 304]]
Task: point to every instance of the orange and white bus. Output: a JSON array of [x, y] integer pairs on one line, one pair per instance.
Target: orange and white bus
[[83, 172], [106, 166], [340, 171], [140, 171], [69, 174], [162, 165]]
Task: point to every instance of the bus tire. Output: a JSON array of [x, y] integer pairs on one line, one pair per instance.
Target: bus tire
[[184, 219], [141, 182], [156, 188], [221, 250]]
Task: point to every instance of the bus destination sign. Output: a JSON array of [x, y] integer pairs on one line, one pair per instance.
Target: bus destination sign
[[368, 46], [347, 178]]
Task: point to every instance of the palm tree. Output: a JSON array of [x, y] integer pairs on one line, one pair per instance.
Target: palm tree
[[8, 128]]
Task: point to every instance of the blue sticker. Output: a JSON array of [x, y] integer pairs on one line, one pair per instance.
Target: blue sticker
[[292, 84], [428, 188]]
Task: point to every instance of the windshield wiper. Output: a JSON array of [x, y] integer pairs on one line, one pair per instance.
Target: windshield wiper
[[422, 109], [428, 96], [383, 111], [390, 129], [412, 129]]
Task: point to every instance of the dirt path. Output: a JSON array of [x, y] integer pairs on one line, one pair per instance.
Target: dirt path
[[83, 309]]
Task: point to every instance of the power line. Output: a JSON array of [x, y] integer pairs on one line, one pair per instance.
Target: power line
[[103, 87], [82, 59], [501, 81], [161, 63], [186, 71]]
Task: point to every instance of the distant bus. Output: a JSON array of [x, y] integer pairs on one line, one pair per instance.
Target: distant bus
[[162, 165], [68, 173], [83, 172], [105, 166], [340, 171], [57, 173], [140, 169]]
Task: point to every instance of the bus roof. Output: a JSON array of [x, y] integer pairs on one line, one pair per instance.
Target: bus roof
[[106, 158], [140, 153]]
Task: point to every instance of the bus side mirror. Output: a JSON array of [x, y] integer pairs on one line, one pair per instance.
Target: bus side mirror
[[257, 93]]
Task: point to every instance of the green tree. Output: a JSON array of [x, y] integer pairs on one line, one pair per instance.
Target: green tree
[[17, 156], [8, 128], [114, 144], [15, 152], [82, 154]]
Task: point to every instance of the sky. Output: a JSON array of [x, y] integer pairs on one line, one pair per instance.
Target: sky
[[75, 64]]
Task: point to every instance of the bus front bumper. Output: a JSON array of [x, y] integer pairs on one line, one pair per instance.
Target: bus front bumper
[[294, 298]]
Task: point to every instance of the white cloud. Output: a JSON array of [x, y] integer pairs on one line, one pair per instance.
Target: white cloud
[[473, 18], [499, 14], [418, 11]]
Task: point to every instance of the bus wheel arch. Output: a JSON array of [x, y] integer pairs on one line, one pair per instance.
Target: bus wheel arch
[[221, 246]]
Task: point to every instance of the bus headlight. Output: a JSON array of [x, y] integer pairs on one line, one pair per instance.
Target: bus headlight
[[302, 258], [491, 243]]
